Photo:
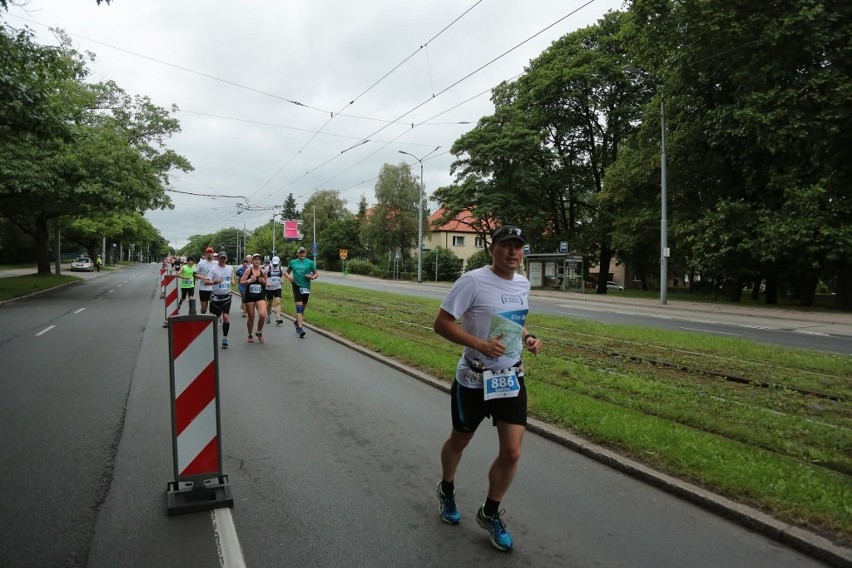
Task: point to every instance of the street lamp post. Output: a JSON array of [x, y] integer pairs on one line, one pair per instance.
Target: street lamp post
[[314, 223], [420, 213], [664, 228], [273, 233]]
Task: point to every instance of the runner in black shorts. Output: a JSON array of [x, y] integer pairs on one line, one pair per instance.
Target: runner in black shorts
[[220, 278], [254, 279], [469, 409], [201, 268], [491, 303]]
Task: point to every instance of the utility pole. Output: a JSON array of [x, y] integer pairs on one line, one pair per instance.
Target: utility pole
[[420, 213]]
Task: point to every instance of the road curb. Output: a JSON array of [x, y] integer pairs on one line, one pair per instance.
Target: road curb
[[797, 538], [38, 292]]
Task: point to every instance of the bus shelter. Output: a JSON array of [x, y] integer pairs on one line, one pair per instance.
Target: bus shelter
[[555, 271]]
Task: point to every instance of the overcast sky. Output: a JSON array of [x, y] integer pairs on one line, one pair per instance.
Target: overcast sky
[[278, 96]]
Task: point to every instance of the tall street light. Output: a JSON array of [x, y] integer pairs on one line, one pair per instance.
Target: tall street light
[[420, 212], [664, 227]]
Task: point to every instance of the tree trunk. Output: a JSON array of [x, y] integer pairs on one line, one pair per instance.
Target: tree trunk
[[772, 291], [606, 257], [807, 289], [42, 242], [755, 290], [735, 290], [843, 300]]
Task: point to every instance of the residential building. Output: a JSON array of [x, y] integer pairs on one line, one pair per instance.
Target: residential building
[[456, 235]]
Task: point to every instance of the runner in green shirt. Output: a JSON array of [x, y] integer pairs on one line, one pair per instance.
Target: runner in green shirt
[[186, 280], [300, 272]]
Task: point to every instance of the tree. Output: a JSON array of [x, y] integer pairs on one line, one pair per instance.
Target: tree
[[755, 105], [131, 228], [340, 234], [392, 225], [72, 149], [498, 171], [328, 207], [290, 209]]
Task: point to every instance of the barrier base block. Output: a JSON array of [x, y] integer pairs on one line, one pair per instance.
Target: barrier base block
[[192, 497]]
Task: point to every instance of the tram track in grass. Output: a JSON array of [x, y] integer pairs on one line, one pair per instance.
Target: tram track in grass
[[766, 426]]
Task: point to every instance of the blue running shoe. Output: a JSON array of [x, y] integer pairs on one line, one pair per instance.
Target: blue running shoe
[[500, 537], [447, 507], [224, 342], [301, 332]]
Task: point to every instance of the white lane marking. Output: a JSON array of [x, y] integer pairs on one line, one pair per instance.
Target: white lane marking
[[111, 291], [708, 331], [80, 310], [806, 332], [574, 314], [45, 330], [227, 542]]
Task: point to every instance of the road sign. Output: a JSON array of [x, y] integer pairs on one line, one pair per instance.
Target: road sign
[[344, 254], [563, 246]]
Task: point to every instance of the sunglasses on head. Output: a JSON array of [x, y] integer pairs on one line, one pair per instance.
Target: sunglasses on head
[[507, 231]]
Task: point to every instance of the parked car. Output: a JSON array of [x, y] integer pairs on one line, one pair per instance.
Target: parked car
[[82, 263], [610, 285]]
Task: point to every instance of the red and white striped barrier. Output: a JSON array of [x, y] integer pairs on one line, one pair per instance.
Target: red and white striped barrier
[[163, 280], [171, 305], [196, 441]]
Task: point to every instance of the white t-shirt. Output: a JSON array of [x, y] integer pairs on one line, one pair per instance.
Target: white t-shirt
[[274, 274], [487, 306], [226, 274], [202, 268]]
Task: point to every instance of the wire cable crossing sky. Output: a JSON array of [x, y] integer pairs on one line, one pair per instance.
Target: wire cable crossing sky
[[256, 86]]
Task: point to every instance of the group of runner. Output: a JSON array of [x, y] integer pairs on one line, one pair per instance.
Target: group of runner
[[485, 312], [260, 287]]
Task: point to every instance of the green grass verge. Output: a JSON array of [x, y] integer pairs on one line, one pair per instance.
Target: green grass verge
[[17, 286], [664, 398]]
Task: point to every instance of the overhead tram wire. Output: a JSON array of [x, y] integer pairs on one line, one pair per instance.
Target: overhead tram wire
[[424, 123], [182, 68], [202, 74], [466, 77], [480, 68], [367, 90]]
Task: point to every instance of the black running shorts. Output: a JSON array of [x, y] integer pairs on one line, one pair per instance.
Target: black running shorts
[[469, 408]]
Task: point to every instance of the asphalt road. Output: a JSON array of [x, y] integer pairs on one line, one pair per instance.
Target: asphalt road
[[332, 456]]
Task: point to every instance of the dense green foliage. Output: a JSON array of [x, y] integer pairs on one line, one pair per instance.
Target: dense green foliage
[[756, 129], [81, 156]]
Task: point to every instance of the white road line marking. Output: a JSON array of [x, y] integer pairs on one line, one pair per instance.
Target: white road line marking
[[708, 331], [574, 314], [111, 291], [806, 332], [227, 542], [80, 310], [45, 330]]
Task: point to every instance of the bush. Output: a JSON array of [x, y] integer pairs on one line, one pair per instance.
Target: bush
[[364, 268], [477, 260]]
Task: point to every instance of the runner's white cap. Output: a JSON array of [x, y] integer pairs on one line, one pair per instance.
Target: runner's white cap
[[276, 260]]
